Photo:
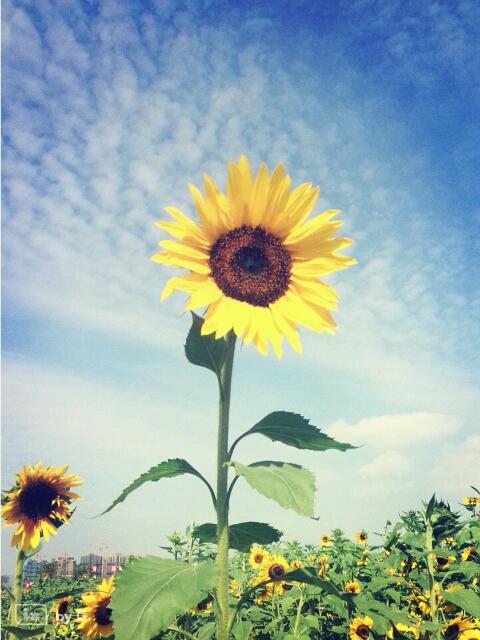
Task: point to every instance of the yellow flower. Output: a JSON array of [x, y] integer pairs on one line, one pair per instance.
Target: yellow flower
[[361, 537], [322, 565], [204, 607], [468, 552], [39, 503], [273, 569], [325, 540], [352, 586], [95, 618], [423, 600], [443, 562], [471, 501], [364, 559], [296, 564], [60, 608], [360, 628], [405, 628], [257, 556], [234, 588], [264, 594], [254, 260], [448, 541], [462, 629]]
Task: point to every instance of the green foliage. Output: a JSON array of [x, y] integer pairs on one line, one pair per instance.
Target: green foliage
[[204, 351], [168, 469], [296, 431], [241, 535], [150, 592], [465, 599], [291, 485]]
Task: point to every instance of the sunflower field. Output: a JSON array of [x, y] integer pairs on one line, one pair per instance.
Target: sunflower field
[[417, 579]]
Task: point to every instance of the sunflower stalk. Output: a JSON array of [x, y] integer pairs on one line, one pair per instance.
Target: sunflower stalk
[[16, 592], [221, 592], [435, 635]]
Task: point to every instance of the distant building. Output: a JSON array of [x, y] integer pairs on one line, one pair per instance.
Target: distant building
[[91, 564], [65, 567], [35, 569]]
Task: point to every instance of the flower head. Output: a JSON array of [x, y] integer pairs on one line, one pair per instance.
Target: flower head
[[361, 537], [325, 540], [204, 607], [254, 260], [257, 556], [471, 501], [60, 608], [462, 629], [274, 568], [360, 628], [352, 586], [467, 553], [39, 503], [95, 618]]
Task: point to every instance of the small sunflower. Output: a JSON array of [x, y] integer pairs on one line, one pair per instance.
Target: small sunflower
[[322, 562], [273, 569], [264, 594], [60, 608], [443, 562], [296, 564], [360, 628], [204, 607], [254, 260], [234, 588], [361, 537], [467, 553], [471, 501], [39, 503], [325, 540], [95, 618], [462, 629], [257, 556], [405, 629], [352, 586]]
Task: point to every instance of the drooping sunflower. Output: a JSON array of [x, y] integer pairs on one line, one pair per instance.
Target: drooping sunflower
[[60, 608], [462, 629], [95, 618], [204, 607], [360, 628], [443, 562], [39, 503], [409, 631], [468, 553], [254, 260]]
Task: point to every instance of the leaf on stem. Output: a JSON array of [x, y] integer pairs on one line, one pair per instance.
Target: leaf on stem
[[151, 592], [204, 351], [241, 535], [291, 485], [167, 469]]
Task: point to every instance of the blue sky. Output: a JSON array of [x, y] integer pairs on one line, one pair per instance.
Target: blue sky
[[110, 109]]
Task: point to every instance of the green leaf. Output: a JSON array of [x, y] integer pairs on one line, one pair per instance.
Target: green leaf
[[241, 535], [465, 599], [308, 575], [291, 485], [368, 606], [206, 632], [22, 632], [242, 629], [204, 351], [168, 469], [296, 431], [150, 592]]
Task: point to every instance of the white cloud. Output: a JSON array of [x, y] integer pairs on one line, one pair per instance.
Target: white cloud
[[405, 431], [389, 464]]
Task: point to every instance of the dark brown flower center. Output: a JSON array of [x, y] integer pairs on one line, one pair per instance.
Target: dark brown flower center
[[103, 613], [201, 606], [36, 499], [250, 265], [258, 558], [62, 607], [452, 632], [362, 631], [275, 571], [442, 561]]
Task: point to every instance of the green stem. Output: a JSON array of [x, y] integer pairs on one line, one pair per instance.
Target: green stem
[[431, 576], [16, 592], [299, 612], [221, 593]]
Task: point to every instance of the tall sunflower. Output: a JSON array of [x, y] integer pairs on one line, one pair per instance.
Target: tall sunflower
[[39, 503], [95, 618], [254, 260], [274, 567]]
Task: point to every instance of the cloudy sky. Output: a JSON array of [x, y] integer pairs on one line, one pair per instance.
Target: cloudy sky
[[110, 109]]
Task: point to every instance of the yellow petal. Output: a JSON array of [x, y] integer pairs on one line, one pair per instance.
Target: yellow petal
[[207, 293]]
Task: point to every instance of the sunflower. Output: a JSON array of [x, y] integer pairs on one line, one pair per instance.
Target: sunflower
[[443, 562], [234, 588], [360, 628], [361, 537], [325, 540], [471, 501], [60, 608], [322, 565], [462, 629], [39, 503], [95, 618], [413, 630], [254, 260], [264, 594], [204, 607], [467, 553], [352, 586], [257, 556], [274, 568]]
